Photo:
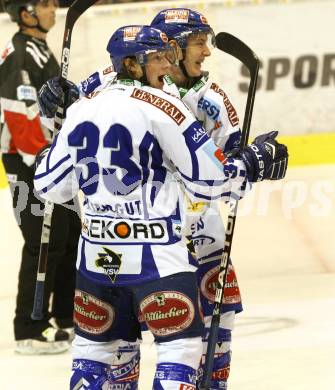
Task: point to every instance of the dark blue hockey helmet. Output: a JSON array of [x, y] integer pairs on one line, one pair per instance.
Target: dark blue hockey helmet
[[136, 41], [179, 23]]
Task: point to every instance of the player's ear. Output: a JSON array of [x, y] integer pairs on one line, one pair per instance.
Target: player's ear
[[178, 52], [27, 19], [133, 68]]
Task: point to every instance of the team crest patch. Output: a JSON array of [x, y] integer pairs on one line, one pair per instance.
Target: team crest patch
[[231, 290], [129, 33], [176, 227], [110, 262], [167, 312], [91, 314]]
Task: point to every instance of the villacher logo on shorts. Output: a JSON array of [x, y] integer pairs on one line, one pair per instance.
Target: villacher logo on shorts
[[167, 312], [91, 314], [231, 289]]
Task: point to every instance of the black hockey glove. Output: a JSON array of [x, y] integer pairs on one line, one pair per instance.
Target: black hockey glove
[[265, 158], [40, 155], [51, 95]]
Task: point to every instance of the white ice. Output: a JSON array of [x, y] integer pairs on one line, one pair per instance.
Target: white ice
[[284, 253]]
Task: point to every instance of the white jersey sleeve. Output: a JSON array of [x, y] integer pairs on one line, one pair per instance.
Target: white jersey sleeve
[[97, 81], [213, 108], [57, 178], [211, 105]]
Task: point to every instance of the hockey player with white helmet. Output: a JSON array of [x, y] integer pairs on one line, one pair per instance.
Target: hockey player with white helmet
[[124, 148]]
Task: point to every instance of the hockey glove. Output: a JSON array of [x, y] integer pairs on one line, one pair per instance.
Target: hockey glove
[[265, 158], [51, 95]]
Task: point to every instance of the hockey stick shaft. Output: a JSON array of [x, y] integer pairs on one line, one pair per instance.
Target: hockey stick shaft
[[73, 13], [235, 47]]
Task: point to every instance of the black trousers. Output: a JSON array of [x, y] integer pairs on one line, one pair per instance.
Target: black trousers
[[60, 276]]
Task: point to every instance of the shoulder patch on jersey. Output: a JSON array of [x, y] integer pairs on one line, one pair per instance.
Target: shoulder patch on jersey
[[164, 105], [232, 114], [91, 83], [195, 136], [108, 70], [26, 92]]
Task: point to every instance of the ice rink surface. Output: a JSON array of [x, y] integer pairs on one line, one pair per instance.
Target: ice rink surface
[[284, 254]]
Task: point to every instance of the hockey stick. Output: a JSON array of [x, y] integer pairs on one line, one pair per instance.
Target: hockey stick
[[73, 13], [236, 48]]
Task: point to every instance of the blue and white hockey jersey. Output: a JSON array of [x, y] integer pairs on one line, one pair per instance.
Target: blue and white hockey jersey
[[128, 148]]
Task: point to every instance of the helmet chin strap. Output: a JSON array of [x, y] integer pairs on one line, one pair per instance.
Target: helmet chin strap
[[183, 69], [190, 80], [144, 78], [38, 26], [182, 65], [42, 29], [127, 74]]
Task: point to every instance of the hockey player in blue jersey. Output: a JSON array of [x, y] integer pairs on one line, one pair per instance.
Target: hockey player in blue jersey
[[124, 148]]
